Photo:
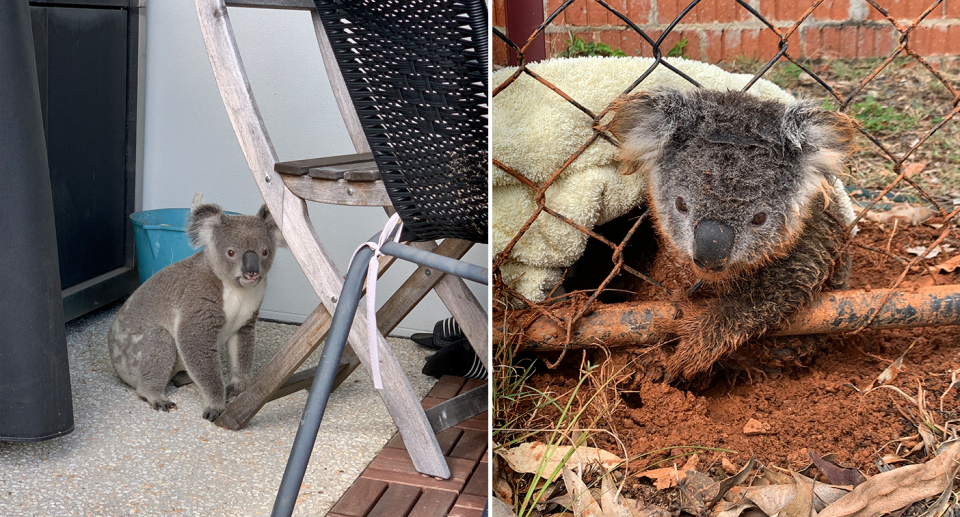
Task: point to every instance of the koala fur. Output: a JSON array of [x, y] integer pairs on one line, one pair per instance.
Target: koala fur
[[179, 319], [741, 194]]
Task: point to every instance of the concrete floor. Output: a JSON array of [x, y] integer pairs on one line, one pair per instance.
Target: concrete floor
[[125, 458]]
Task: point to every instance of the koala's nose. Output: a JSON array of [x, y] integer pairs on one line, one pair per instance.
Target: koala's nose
[[251, 264], [712, 243]]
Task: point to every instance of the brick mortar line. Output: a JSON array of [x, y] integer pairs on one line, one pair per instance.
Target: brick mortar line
[[748, 25]]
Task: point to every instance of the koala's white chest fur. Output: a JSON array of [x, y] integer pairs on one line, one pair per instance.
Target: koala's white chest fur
[[238, 305]]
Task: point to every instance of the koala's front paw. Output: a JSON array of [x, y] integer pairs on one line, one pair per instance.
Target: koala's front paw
[[212, 413], [706, 335]]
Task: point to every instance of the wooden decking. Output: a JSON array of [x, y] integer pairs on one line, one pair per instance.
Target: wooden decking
[[391, 487]]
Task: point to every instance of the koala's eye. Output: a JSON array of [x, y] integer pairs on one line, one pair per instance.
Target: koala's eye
[[681, 205], [759, 218], [265, 252], [231, 253]]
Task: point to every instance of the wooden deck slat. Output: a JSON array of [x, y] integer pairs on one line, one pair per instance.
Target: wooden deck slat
[[404, 478], [434, 503], [447, 439], [471, 445], [477, 423], [447, 387], [477, 485], [428, 402], [360, 498], [470, 384], [397, 500], [471, 501], [399, 461]]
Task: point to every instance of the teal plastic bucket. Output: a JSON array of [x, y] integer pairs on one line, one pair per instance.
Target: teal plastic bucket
[[160, 237]]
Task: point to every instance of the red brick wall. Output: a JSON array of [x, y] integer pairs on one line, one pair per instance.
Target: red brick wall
[[721, 30]]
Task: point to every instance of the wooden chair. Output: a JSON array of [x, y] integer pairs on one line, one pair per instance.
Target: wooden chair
[[351, 180]]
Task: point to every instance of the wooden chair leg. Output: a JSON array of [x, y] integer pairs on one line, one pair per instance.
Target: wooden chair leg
[[468, 312]]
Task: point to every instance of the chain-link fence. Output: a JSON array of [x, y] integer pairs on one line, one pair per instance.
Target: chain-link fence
[[565, 316]]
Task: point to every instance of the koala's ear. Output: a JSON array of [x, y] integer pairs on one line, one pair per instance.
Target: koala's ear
[[824, 138], [204, 219], [267, 217], [643, 122]]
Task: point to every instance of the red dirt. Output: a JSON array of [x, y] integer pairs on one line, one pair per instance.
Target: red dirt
[[814, 406]]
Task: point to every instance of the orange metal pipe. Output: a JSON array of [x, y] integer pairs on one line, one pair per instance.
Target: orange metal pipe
[[628, 324]]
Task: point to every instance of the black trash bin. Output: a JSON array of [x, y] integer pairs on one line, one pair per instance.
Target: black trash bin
[[35, 397]]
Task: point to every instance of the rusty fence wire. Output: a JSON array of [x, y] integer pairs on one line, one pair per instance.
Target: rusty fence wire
[[582, 306]]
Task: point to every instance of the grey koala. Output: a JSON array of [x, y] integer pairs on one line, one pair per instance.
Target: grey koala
[[743, 198], [174, 325]]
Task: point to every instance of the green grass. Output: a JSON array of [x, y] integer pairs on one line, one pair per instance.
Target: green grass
[[677, 50], [579, 48], [566, 426]]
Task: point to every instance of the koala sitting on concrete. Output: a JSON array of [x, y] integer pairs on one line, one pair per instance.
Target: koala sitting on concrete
[[743, 196], [174, 325]]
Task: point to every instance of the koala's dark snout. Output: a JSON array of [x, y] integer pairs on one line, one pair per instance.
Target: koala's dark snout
[[251, 265], [712, 243]]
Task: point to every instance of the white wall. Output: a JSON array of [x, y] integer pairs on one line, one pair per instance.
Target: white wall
[[190, 145]]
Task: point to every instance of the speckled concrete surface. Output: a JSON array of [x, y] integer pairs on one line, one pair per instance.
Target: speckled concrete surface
[[124, 458]]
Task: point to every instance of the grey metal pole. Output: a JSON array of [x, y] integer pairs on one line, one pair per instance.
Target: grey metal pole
[[322, 385], [432, 260]]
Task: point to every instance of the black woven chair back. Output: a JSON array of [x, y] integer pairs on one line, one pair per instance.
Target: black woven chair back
[[417, 75]]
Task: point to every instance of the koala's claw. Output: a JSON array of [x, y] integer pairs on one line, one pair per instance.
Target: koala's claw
[[165, 406], [212, 414]]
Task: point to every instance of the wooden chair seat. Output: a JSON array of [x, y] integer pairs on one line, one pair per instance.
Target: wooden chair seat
[[349, 180], [352, 167]]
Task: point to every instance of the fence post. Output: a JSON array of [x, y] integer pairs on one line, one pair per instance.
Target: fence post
[[524, 17]]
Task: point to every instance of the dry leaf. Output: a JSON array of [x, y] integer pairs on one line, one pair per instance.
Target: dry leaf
[[918, 250], [669, 476], [802, 503], [889, 374], [583, 503], [914, 168], [647, 511], [835, 474], [771, 498], [499, 508], [530, 457], [905, 214], [892, 459], [939, 507], [946, 267], [733, 481], [725, 509], [895, 489], [610, 500]]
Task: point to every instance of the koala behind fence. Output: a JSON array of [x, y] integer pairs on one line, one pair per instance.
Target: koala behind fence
[[742, 191], [174, 325]]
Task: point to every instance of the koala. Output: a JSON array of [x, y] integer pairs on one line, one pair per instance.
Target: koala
[[741, 192], [174, 325]]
